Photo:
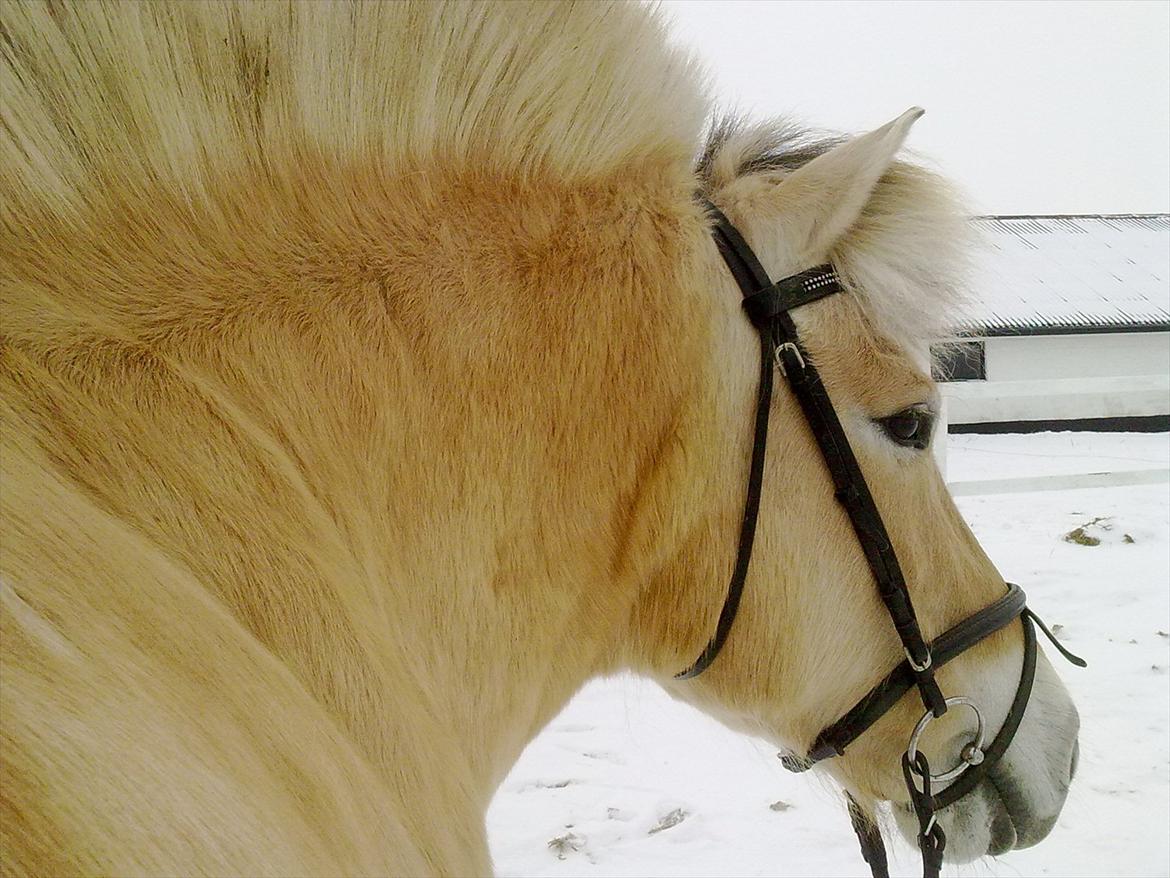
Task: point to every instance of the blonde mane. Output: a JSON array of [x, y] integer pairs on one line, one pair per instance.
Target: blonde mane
[[194, 102], [308, 349], [100, 96]]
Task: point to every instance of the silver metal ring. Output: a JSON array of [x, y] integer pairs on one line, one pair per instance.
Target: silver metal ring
[[971, 754]]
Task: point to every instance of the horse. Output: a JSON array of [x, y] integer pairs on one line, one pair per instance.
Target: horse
[[371, 381]]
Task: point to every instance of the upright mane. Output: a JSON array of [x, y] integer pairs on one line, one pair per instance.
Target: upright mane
[[105, 103], [100, 96]]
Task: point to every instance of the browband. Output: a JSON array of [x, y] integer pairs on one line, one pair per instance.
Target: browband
[[800, 289]]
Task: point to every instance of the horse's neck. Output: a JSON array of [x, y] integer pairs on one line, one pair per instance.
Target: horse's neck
[[433, 501], [420, 648]]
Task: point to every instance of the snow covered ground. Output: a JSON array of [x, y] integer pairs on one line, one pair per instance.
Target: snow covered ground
[[628, 782]]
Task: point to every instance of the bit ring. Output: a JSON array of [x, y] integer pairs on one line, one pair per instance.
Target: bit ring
[[972, 752]]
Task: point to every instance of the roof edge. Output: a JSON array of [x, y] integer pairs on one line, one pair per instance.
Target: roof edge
[[1014, 216], [965, 333]]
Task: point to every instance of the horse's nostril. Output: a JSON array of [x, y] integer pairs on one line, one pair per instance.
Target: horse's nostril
[[1076, 758]]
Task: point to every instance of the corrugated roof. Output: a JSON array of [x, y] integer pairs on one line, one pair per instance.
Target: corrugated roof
[[1043, 274]]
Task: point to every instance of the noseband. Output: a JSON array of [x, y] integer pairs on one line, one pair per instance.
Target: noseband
[[768, 306]]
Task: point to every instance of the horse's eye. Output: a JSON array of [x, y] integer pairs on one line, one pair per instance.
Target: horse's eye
[[910, 427]]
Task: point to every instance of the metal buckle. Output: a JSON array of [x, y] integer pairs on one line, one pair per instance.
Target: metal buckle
[[925, 666], [790, 346], [972, 752]]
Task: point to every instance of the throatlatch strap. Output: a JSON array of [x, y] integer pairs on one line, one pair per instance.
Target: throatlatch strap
[[762, 305], [747, 530]]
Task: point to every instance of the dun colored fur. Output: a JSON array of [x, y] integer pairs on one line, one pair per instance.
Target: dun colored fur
[[370, 382]]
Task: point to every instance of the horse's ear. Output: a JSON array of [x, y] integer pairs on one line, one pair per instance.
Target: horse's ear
[[825, 197]]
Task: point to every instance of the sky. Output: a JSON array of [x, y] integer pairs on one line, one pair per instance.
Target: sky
[[1032, 107]]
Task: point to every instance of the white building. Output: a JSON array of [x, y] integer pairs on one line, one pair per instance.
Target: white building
[[1071, 329]]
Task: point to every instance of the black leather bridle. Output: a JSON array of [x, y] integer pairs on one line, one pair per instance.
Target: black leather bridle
[[768, 305]]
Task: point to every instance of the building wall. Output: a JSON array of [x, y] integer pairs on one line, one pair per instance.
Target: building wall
[[1057, 399], [1113, 378], [1105, 355]]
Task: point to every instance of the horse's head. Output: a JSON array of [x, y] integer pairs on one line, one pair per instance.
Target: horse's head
[[812, 635]]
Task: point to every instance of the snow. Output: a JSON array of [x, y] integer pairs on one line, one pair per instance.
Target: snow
[[972, 456], [628, 782]]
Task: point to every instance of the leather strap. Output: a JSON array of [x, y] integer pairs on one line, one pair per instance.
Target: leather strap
[[869, 839], [762, 306], [833, 740], [968, 780], [932, 841], [926, 803], [747, 530], [767, 304]]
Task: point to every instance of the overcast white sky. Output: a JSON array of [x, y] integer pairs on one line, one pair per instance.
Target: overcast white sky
[[1033, 107]]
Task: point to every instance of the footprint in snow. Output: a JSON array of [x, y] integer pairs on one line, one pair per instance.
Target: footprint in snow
[[574, 727], [545, 785], [604, 756], [674, 818]]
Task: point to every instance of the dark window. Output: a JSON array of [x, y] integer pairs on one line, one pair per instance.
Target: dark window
[[959, 361]]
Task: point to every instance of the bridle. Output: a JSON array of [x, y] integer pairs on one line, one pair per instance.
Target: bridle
[[768, 306]]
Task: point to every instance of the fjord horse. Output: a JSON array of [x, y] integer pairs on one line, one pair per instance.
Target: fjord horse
[[370, 381]]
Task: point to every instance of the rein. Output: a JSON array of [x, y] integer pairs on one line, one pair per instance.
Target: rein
[[767, 305]]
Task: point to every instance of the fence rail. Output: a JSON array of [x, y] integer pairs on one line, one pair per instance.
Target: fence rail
[[1026, 484]]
